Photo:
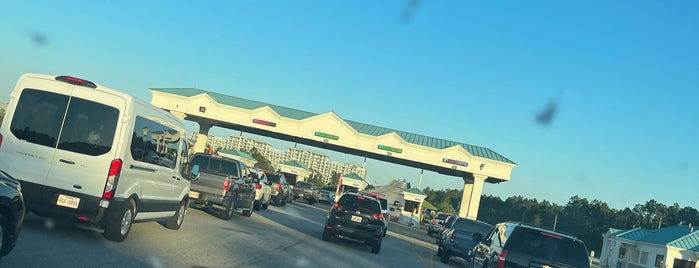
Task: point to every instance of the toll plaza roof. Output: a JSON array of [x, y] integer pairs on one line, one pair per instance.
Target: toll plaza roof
[[330, 131]]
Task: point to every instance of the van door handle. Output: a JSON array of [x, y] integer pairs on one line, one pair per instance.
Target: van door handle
[[67, 161], [143, 168]]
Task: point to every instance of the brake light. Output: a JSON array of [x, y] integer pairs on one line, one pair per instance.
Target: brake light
[[258, 186], [361, 197], [551, 235], [378, 216], [501, 258], [226, 184], [112, 179], [0, 140], [76, 81], [279, 187], [453, 235], [434, 221], [337, 206]]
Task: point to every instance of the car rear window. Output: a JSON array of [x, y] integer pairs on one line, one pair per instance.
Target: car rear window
[[217, 165], [442, 216], [273, 177], [548, 246], [305, 185], [470, 226], [360, 203]]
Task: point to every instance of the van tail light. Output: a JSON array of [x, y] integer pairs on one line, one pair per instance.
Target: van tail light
[[337, 206], [378, 216], [258, 186], [501, 258], [112, 179], [226, 184]]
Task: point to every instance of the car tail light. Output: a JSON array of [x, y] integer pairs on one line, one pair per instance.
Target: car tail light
[[112, 179], [258, 186], [279, 187], [434, 221], [453, 235], [337, 206], [501, 258], [361, 197], [226, 184], [378, 216], [551, 235], [76, 81], [0, 140]]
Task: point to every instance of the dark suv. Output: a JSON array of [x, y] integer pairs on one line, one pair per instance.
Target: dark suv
[[518, 245], [458, 238], [356, 217], [305, 191], [281, 192]]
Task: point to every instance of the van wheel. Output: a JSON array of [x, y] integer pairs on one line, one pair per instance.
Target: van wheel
[[248, 212], [119, 229], [175, 222], [227, 212]]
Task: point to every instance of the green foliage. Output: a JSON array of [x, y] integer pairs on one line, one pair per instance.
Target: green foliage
[[262, 161], [587, 220]]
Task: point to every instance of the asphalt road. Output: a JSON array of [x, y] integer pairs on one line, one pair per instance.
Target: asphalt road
[[287, 236]]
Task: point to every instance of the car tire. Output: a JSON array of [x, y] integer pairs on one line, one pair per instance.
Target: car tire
[[326, 235], [376, 246], [175, 222], [266, 205], [439, 251], [3, 231], [279, 202], [429, 231], [118, 230], [248, 212], [257, 205], [444, 258], [229, 209]]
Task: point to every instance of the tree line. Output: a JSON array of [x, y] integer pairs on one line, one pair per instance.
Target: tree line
[[583, 218]]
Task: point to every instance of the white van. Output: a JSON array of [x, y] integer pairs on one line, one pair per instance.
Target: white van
[[95, 155]]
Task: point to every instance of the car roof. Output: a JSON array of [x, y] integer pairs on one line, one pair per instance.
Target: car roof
[[559, 233]]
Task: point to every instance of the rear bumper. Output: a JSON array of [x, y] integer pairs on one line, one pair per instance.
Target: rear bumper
[[460, 251], [204, 197]]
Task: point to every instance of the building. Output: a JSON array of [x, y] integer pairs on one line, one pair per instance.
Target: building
[[667, 247], [314, 161]]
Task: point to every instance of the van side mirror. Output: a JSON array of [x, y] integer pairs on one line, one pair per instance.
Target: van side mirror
[[194, 174]]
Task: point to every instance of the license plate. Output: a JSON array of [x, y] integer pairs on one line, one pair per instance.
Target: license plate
[[356, 218], [193, 194], [68, 201]]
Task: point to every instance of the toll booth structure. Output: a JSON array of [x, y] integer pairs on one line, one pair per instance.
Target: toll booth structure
[[294, 171], [413, 199], [352, 183], [247, 159]]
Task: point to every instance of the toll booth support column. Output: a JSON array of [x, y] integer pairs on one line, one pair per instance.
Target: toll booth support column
[[202, 137], [471, 198]]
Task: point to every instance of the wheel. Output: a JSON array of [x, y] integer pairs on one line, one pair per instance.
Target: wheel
[[118, 230], [229, 210], [266, 205], [376, 247], [248, 212], [439, 251], [326, 235], [257, 204], [429, 231], [279, 202], [384, 232], [310, 202], [444, 257], [175, 222], [283, 203], [2, 236]]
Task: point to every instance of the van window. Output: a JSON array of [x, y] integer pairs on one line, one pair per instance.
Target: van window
[[84, 126], [155, 143]]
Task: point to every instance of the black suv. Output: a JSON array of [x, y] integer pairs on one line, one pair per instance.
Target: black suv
[[518, 245], [356, 217], [11, 212]]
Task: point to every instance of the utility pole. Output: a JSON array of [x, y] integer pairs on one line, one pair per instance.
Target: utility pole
[[555, 220], [419, 182]]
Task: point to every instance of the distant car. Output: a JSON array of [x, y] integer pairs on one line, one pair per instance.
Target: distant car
[[436, 223], [325, 196], [458, 239], [11, 212], [357, 217], [263, 190], [281, 192], [305, 191], [445, 226], [513, 244]]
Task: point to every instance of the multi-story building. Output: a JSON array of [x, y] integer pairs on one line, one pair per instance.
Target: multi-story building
[[318, 162]]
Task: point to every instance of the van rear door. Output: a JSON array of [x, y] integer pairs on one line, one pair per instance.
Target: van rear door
[[88, 143], [30, 129]]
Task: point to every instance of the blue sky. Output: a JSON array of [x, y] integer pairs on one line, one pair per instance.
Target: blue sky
[[623, 75]]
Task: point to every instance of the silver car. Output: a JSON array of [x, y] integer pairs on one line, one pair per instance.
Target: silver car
[[326, 196]]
